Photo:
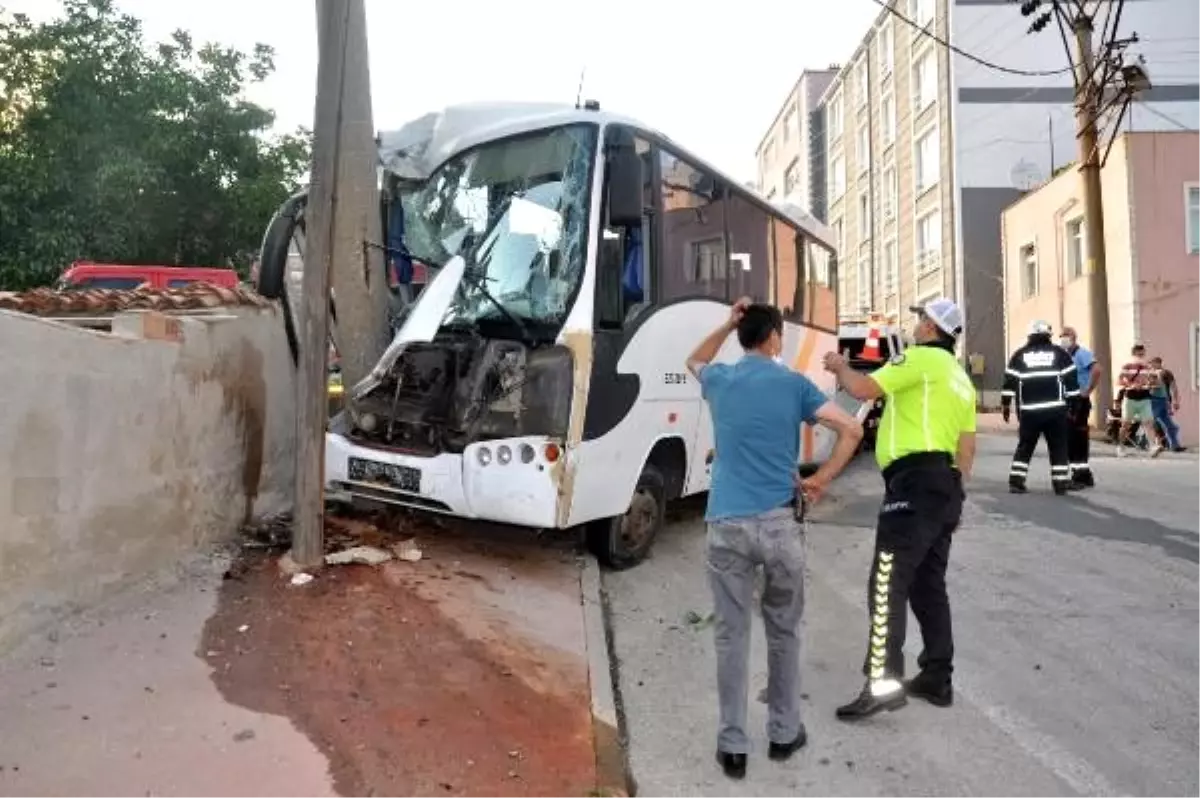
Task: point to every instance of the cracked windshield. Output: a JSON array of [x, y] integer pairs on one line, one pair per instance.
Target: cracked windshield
[[516, 211]]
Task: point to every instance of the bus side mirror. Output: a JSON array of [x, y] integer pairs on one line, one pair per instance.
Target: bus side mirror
[[624, 186]]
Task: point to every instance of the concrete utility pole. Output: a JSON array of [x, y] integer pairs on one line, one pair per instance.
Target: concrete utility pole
[[312, 403], [359, 280], [1088, 98]]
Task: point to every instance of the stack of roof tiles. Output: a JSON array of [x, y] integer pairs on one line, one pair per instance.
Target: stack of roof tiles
[[104, 301]]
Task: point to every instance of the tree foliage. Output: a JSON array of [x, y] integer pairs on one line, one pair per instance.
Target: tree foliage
[[114, 151]]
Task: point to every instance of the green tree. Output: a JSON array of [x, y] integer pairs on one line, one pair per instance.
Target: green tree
[[114, 151]]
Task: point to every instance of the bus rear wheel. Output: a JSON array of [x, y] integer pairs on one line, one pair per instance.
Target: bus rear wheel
[[624, 541]]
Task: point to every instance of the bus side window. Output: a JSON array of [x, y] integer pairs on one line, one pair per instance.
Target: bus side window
[[695, 255], [788, 272], [821, 273]]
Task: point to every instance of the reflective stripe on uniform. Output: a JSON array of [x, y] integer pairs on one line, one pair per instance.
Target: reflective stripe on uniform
[[877, 651], [1044, 405]]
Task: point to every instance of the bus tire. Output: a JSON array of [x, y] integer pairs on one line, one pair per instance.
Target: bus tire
[[624, 541]]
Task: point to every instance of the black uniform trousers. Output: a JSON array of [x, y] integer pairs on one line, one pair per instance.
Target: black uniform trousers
[[1051, 424], [1079, 442], [922, 506]]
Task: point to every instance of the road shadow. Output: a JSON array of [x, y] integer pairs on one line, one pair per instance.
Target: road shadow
[[1073, 514]]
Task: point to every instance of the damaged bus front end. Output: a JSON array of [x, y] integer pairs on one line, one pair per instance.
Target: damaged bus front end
[[468, 410]]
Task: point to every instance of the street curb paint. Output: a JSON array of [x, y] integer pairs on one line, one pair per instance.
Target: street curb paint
[[604, 705], [608, 722]]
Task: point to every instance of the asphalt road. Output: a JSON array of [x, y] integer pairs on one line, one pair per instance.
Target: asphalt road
[[1076, 635]]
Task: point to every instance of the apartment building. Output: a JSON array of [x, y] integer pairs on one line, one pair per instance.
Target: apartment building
[[791, 163], [1151, 186], [925, 148]]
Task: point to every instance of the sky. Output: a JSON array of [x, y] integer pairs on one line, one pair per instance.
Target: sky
[[711, 78]]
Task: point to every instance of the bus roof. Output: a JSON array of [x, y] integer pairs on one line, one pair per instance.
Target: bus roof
[[415, 150]]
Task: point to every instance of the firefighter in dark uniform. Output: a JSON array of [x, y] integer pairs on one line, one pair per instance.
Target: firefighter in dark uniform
[[1041, 377], [925, 448]]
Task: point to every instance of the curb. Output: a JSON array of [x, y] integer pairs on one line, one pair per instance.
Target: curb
[[613, 776]]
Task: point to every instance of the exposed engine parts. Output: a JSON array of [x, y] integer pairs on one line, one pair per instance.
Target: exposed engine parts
[[460, 388]]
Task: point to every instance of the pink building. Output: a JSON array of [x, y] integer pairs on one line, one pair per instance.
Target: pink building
[[1151, 186]]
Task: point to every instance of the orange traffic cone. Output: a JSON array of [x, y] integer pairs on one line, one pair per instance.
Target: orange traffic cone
[[871, 347]]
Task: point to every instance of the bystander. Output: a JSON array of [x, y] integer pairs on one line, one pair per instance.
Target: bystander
[[1164, 404], [758, 406]]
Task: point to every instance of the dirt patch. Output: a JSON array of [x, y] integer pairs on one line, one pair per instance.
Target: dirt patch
[[406, 691]]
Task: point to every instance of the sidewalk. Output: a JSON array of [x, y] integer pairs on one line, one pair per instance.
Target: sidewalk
[[462, 673]]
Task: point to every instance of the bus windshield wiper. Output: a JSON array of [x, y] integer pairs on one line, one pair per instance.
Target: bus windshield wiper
[[478, 283]]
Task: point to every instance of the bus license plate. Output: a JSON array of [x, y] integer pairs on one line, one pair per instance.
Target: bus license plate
[[400, 477]]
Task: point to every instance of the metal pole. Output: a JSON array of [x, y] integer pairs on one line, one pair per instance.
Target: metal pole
[[312, 403], [1087, 104]]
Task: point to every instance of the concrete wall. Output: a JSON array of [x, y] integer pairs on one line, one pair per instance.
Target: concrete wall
[[120, 454]]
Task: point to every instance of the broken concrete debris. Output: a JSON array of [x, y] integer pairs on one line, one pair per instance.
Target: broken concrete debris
[[407, 550], [365, 555], [301, 579]]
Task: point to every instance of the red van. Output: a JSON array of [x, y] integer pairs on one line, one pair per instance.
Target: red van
[[84, 274]]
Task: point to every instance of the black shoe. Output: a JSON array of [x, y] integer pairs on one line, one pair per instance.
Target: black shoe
[[1179, 449], [1073, 485], [1013, 487], [867, 704], [782, 751], [734, 765], [937, 692], [1061, 490]]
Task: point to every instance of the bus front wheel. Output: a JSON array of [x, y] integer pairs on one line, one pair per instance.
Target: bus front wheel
[[624, 541]]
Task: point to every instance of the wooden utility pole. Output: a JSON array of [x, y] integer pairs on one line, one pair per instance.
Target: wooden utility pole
[[1088, 98], [312, 403]]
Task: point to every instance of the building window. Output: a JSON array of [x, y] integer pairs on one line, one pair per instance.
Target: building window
[[921, 12], [927, 165], [890, 190], [837, 177], [789, 125], [887, 50], [891, 268], [1074, 243], [1193, 220], [1194, 351], [861, 85], [924, 81], [862, 150], [864, 216], [1029, 271], [929, 242], [839, 234], [791, 177], [887, 119], [835, 117], [864, 286]]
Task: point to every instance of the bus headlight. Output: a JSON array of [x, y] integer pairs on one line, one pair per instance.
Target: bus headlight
[[504, 455], [484, 454]]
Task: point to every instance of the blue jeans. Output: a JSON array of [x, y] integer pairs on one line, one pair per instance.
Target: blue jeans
[[1162, 418]]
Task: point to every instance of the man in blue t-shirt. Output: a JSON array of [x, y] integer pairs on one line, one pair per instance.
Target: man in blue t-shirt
[[758, 406], [1079, 411]]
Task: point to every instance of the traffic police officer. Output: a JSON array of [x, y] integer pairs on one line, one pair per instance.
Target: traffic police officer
[[1042, 377], [925, 448]]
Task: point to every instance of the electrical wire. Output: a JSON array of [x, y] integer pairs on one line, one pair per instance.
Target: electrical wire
[[1034, 73], [1145, 106]]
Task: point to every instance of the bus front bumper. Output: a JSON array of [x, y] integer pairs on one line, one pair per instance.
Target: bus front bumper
[[510, 481]]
